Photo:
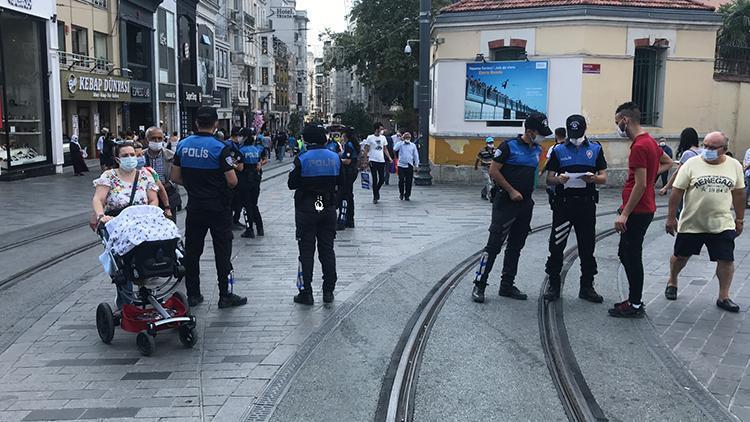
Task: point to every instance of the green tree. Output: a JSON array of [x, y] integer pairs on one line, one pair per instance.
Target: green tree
[[374, 46], [735, 30], [356, 116], [295, 123]]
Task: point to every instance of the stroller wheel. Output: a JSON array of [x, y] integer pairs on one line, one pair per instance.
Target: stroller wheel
[[183, 299], [105, 323], [146, 343], [188, 336]]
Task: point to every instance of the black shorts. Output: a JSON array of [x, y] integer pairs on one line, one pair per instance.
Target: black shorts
[[720, 245]]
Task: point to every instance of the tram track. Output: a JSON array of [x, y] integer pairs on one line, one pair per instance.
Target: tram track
[[71, 252], [399, 388]]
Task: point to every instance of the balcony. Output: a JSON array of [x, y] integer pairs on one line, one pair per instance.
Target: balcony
[[249, 20], [237, 58], [732, 64], [72, 61], [101, 4]]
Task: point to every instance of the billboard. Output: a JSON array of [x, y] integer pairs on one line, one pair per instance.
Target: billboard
[[497, 91]]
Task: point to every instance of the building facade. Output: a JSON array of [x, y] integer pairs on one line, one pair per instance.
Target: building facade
[[167, 69], [31, 137], [190, 93], [597, 55]]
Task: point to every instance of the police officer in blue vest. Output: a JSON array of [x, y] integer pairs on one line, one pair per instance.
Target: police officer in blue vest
[[316, 176], [205, 167], [513, 169], [252, 158], [574, 169]]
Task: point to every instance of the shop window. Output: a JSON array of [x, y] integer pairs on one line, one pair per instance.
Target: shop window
[[264, 76], [251, 73], [648, 83], [80, 38], [61, 36], [503, 54], [264, 45], [224, 96], [101, 50]]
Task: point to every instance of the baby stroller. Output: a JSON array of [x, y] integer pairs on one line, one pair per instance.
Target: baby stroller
[[152, 268]]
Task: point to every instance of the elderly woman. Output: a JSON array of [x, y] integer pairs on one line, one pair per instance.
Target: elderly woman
[[76, 156], [123, 186]]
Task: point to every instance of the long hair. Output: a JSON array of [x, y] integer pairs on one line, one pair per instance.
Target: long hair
[[688, 139]]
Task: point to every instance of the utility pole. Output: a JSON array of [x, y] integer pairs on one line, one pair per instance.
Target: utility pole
[[423, 176]]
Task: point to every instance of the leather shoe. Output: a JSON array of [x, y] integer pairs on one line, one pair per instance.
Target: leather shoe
[[590, 295], [728, 305], [670, 292], [328, 297], [512, 292], [195, 300], [477, 295], [304, 298], [552, 294]]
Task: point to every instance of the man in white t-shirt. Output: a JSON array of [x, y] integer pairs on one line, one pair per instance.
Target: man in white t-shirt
[[376, 148], [711, 186]]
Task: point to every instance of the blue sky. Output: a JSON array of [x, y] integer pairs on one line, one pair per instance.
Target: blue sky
[[525, 81]]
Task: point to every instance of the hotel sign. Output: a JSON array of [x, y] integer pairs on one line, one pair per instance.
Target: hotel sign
[[91, 87]]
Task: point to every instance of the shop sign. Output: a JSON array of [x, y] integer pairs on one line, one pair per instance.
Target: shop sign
[[167, 93], [39, 8], [23, 4], [88, 87], [592, 68], [192, 95], [140, 91]]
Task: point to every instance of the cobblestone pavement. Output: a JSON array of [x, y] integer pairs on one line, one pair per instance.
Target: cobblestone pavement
[[712, 343]]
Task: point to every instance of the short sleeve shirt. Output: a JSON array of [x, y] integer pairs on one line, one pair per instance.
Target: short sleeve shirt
[[120, 191], [707, 205], [204, 160], [485, 156], [520, 162], [644, 153], [589, 157], [377, 144]]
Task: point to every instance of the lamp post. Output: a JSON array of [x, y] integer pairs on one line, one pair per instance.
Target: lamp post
[[423, 176]]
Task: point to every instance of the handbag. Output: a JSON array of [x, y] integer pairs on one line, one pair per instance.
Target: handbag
[[365, 175], [94, 221]]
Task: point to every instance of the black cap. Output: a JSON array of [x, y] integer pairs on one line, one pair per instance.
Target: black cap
[[314, 134], [244, 132], [576, 126], [538, 122]]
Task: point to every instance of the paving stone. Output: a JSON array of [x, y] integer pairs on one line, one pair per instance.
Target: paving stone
[[54, 414], [146, 376], [109, 413]]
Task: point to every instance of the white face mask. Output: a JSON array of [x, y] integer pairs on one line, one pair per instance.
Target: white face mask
[[539, 138], [407, 140], [622, 132], [710, 154], [155, 146], [577, 141]]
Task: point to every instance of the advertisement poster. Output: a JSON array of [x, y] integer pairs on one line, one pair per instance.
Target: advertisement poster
[[74, 126], [497, 91]]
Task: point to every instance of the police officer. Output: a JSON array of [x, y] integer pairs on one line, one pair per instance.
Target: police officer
[[574, 169], [204, 165], [513, 170], [234, 144], [349, 158], [316, 175], [252, 157], [333, 143]]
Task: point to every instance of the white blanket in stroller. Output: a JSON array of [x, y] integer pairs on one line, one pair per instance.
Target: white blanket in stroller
[[138, 224]]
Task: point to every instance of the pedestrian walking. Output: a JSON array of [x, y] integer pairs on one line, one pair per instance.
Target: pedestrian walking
[[408, 161], [687, 149], [316, 175], [390, 165], [349, 158], [645, 162], [376, 149], [159, 158], [667, 150], [484, 158], [711, 186], [204, 166], [250, 177], [77, 157], [513, 169], [574, 169], [280, 145]]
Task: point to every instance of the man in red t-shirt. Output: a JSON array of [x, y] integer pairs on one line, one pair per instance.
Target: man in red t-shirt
[[645, 163]]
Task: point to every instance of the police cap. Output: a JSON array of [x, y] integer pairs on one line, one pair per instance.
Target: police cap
[[314, 134], [244, 133], [576, 126]]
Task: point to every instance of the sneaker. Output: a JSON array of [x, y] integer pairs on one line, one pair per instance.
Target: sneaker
[[477, 295], [512, 292], [590, 295], [350, 225], [340, 227], [728, 305], [670, 292], [626, 310], [304, 298], [195, 300], [231, 300], [248, 234], [552, 293], [328, 297]]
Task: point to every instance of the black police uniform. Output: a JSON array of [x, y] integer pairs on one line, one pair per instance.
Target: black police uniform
[[510, 219], [316, 175], [346, 191], [204, 160], [250, 178], [574, 209]]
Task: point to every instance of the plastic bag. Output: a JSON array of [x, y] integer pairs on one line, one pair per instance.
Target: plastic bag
[[365, 175]]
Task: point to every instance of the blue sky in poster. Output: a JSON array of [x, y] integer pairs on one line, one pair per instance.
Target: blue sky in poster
[[526, 81]]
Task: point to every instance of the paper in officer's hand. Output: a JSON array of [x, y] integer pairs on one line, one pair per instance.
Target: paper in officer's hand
[[575, 180]]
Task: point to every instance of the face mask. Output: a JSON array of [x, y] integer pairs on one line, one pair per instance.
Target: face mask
[[128, 163], [577, 141], [407, 140], [539, 138], [154, 146], [710, 154], [141, 162], [622, 131]]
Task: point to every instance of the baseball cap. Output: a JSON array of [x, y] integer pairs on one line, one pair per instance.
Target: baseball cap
[[538, 122], [576, 126], [314, 134], [244, 132], [206, 113], [490, 140]]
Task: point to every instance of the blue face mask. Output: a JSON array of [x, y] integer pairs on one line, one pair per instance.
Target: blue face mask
[[128, 163], [710, 154], [141, 162]]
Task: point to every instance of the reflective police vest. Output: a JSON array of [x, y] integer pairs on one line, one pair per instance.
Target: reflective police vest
[[200, 152], [251, 154], [332, 146], [522, 154], [568, 155], [320, 162]]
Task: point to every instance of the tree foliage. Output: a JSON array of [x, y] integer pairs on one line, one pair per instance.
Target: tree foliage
[[356, 116], [374, 47], [295, 123], [735, 30]]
